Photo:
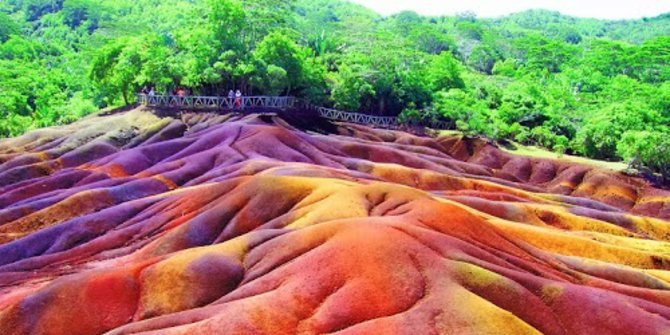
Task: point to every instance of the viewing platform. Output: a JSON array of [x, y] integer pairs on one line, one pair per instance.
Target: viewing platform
[[214, 102]]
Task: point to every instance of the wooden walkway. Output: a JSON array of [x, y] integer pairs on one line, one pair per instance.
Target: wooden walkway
[[276, 102]]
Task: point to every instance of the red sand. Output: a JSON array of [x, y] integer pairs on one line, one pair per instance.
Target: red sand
[[208, 224]]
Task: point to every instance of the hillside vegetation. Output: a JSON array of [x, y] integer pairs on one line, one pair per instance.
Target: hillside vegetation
[[584, 86]]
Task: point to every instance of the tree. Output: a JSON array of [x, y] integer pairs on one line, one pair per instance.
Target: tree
[[275, 80], [158, 64], [351, 87], [522, 102], [280, 51], [601, 133], [572, 36], [7, 27], [35, 9], [483, 57], [466, 112], [648, 151], [263, 17], [505, 68], [607, 57], [20, 49], [651, 62], [470, 30], [192, 62], [412, 89], [540, 53], [444, 72], [430, 39], [661, 100], [407, 20], [227, 20], [115, 68], [77, 12]]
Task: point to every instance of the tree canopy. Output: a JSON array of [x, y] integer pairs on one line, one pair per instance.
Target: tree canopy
[[538, 77]]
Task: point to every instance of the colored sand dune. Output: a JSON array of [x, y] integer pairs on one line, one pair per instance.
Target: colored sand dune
[[213, 224]]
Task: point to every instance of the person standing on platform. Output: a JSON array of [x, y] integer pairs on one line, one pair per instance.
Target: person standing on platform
[[231, 98], [238, 99]]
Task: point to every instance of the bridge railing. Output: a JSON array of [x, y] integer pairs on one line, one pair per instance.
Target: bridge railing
[[379, 121], [279, 102], [337, 115], [215, 102]]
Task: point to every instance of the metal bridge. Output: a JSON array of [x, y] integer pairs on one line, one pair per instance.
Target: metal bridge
[[277, 102], [360, 118], [176, 101]]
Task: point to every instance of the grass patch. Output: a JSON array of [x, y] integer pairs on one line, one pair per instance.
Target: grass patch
[[538, 152]]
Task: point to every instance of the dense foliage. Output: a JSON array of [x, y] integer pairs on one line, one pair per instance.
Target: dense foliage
[[592, 87]]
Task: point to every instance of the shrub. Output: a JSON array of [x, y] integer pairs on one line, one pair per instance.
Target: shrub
[[600, 134], [648, 151], [13, 125]]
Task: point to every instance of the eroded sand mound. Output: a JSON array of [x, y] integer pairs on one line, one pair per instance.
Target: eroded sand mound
[[208, 224]]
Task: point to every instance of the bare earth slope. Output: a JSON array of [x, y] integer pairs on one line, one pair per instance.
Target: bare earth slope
[[210, 224]]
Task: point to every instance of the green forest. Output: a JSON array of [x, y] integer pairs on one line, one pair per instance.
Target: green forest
[[590, 87]]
